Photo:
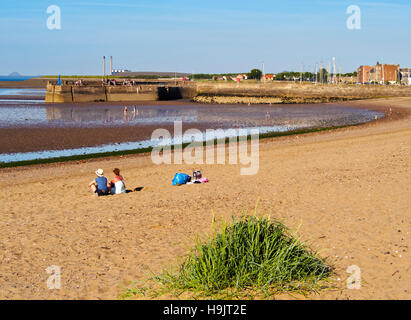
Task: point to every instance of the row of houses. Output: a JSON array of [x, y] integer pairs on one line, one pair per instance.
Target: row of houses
[[383, 73], [379, 73], [271, 77]]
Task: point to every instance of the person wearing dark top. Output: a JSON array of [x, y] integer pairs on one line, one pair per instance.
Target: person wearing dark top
[[100, 186]]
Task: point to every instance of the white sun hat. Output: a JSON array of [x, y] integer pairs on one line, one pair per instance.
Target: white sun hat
[[100, 172]]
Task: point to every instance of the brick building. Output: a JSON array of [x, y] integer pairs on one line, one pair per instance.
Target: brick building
[[363, 74], [379, 73]]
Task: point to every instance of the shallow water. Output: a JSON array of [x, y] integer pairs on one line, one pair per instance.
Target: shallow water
[[22, 92], [27, 113], [276, 118]]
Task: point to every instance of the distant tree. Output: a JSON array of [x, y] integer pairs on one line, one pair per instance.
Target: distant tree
[[204, 76], [324, 75], [294, 76], [255, 74], [308, 76], [350, 74]]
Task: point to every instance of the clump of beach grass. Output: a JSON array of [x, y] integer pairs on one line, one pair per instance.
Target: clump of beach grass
[[249, 257]]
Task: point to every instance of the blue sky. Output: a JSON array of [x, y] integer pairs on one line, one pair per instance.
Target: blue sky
[[200, 36]]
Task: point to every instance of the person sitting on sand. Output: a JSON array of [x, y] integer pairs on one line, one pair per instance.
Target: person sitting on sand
[[100, 186], [117, 184]]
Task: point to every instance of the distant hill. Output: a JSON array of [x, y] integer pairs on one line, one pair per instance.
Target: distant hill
[[15, 74]]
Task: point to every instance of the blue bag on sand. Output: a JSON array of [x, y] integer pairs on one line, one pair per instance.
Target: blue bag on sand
[[180, 178]]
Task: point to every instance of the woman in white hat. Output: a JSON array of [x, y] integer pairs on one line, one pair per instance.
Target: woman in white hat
[[100, 185]]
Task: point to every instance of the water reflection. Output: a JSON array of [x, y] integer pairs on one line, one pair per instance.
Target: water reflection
[[25, 114], [117, 116], [22, 92]]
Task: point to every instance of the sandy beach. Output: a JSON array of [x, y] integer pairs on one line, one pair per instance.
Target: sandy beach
[[347, 190]]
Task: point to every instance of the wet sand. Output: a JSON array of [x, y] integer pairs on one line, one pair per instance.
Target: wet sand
[[14, 140], [349, 189]]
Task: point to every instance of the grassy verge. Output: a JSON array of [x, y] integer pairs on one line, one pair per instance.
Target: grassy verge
[[248, 258], [147, 150]]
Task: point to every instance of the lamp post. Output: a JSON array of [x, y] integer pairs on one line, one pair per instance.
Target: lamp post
[[263, 73], [104, 67], [301, 73]]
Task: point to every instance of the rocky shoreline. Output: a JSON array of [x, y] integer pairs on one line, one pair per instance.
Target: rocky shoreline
[[220, 99]]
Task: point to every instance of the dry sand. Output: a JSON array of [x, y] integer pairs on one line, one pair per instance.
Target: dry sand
[[349, 189]]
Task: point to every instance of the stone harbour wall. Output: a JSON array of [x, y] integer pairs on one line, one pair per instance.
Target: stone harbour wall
[[217, 92]]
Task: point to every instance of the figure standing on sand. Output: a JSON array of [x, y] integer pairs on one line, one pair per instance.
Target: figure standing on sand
[[125, 114]]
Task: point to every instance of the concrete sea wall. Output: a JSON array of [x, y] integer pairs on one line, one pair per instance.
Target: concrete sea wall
[[215, 92], [280, 89], [143, 92], [289, 93]]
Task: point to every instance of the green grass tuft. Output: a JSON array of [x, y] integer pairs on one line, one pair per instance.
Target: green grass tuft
[[251, 257]]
